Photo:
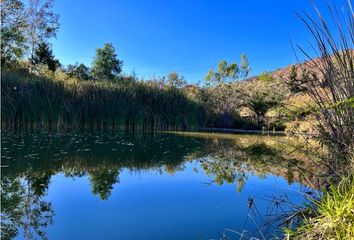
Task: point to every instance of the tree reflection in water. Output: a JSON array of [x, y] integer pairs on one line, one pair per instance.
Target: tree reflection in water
[[102, 181], [23, 207], [33, 159]]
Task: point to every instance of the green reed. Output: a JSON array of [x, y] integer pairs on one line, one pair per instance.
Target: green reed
[[37, 102]]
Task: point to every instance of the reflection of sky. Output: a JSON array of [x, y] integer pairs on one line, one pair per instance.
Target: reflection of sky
[[151, 205]]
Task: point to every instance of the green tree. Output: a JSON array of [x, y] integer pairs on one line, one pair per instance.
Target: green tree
[[174, 80], [261, 96], [106, 65], [43, 54], [244, 66], [260, 103], [228, 72], [293, 82], [79, 71], [13, 23], [43, 23]]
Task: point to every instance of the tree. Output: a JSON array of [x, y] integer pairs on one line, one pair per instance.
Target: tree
[[79, 71], [261, 96], [43, 55], [222, 103], [174, 80], [43, 23], [106, 65], [266, 77], [260, 103], [13, 23], [244, 66], [228, 72], [293, 82]]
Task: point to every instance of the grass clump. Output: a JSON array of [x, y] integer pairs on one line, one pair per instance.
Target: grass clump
[[331, 216]]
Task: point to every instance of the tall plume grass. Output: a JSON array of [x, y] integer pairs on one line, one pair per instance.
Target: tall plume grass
[[330, 83]]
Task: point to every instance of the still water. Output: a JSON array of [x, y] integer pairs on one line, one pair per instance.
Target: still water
[[136, 186]]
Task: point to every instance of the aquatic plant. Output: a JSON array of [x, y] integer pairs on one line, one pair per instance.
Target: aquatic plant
[[51, 102]]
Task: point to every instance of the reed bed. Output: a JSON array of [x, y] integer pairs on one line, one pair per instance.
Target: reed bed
[[36, 102]]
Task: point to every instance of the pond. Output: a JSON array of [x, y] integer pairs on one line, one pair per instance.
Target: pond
[[144, 186]]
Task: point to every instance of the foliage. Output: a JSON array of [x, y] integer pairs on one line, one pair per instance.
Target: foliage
[[261, 96], [106, 65], [222, 103], [102, 182], [330, 85], [293, 80], [23, 208], [43, 23], [13, 23], [47, 102], [244, 67], [228, 72], [331, 216], [44, 55], [330, 82], [79, 71], [266, 77], [174, 80]]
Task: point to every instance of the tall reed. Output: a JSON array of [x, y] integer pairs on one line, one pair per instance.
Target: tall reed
[[330, 83], [32, 102]]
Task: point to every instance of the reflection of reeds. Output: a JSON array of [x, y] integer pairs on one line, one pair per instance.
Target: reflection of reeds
[[30, 101]]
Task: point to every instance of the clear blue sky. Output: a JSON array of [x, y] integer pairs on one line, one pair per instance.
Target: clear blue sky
[[188, 36]]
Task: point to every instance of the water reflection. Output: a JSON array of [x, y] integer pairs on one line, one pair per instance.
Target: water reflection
[[231, 161], [24, 208], [30, 160]]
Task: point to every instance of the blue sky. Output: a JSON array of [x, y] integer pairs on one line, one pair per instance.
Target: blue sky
[[189, 36]]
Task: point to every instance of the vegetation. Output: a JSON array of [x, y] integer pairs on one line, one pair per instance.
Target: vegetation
[[81, 93], [105, 65], [30, 102], [37, 92], [44, 55], [227, 73], [330, 85], [35, 159], [331, 216], [333, 87], [227, 100], [42, 23], [13, 24], [78, 71]]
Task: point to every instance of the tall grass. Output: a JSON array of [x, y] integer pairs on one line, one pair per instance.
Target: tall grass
[[332, 216], [30, 102], [330, 83], [331, 87]]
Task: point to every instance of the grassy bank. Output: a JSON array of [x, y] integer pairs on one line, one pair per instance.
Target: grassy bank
[[30, 101], [331, 216]]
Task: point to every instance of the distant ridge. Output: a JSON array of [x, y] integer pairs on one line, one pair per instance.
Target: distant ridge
[[283, 73]]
